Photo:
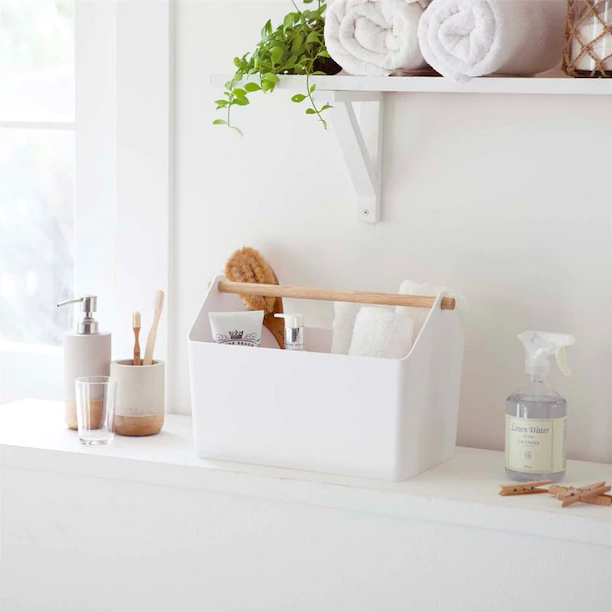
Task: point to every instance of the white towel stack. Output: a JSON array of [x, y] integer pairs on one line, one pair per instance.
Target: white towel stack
[[470, 38], [374, 37], [383, 331]]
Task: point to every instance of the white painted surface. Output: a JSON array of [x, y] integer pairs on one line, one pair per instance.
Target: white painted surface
[[506, 199], [143, 526], [462, 491], [318, 413], [96, 153], [560, 85], [363, 159], [144, 166], [123, 191]]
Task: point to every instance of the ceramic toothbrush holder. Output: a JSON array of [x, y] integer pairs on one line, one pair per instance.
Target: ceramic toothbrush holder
[[140, 397]]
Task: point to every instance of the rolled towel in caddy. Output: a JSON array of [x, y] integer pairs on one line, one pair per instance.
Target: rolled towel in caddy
[[470, 38], [374, 37]]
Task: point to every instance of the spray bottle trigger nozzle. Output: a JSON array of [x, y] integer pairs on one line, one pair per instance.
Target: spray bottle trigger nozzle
[[561, 356]]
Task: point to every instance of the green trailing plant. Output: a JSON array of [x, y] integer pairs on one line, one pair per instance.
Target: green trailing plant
[[295, 47]]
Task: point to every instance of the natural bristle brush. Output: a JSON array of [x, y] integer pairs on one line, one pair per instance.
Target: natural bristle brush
[[136, 327], [247, 265], [158, 305]]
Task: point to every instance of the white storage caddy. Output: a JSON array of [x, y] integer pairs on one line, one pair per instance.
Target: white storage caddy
[[377, 418]]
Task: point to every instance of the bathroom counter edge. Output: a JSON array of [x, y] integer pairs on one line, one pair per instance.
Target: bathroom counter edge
[[462, 491]]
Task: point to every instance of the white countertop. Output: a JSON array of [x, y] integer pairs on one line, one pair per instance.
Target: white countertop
[[462, 491]]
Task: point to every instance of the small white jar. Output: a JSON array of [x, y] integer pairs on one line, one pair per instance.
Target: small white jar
[[141, 394]]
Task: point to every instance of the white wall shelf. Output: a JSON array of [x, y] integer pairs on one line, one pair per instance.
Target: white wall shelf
[[361, 139], [432, 84]]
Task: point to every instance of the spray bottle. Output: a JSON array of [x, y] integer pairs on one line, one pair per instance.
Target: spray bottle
[[536, 413]]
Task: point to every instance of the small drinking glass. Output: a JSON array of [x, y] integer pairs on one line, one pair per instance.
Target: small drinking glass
[[95, 407]]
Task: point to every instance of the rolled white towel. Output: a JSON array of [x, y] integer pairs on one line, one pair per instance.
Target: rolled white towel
[[382, 332], [419, 315], [345, 314], [469, 38], [374, 37]]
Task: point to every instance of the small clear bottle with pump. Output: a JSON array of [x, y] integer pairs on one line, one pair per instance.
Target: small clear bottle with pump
[[294, 331], [536, 413]]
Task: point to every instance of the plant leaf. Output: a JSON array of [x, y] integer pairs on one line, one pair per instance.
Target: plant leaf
[[298, 98], [311, 111], [239, 93], [237, 130], [289, 21], [252, 87], [325, 107], [267, 29], [313, 87], [219, 122], [242, 101], [270, 76], [276, 54], [221, 102], [297, 44], [313, 37]]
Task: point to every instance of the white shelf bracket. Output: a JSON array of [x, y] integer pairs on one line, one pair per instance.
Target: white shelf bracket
[[361, 143]]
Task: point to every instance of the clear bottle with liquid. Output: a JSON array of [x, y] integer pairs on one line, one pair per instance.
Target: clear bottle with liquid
[[536, 414]]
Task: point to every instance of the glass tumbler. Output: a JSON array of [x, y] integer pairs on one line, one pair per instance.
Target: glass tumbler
[[96, 397]]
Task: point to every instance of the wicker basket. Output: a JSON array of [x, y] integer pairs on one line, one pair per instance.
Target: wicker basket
[[588, 39]]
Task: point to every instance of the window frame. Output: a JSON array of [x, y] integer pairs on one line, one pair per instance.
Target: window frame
[[123, 171]]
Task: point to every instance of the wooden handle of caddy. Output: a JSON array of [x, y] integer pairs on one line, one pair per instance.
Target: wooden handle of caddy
[[329, 295]]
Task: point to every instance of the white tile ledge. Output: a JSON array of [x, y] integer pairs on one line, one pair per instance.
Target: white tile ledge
[[462, 491]]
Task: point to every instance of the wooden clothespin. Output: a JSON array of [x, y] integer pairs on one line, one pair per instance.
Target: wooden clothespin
[[524, 488], [601, 500], [582, 494]]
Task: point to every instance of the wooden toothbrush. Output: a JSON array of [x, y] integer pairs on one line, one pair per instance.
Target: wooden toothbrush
[[136, 328], [158, 305]]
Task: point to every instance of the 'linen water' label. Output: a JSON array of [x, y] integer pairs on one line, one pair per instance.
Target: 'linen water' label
[[535, 445]]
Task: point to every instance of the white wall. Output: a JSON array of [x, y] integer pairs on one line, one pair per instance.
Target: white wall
[[507, 199]]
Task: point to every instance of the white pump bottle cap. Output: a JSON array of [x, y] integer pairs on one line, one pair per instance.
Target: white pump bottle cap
[[294, 321], [541, 346]]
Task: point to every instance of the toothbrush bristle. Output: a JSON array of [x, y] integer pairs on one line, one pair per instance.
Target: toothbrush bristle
[[136, 319], [159, 300]]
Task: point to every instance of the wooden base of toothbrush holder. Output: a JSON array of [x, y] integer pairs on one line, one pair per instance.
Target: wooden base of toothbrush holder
[[139, 425], [140, 398]]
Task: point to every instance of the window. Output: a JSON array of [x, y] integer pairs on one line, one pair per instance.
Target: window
[[37, 161], [85, 157]]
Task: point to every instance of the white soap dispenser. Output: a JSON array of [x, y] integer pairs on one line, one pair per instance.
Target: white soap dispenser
[[87, 352]]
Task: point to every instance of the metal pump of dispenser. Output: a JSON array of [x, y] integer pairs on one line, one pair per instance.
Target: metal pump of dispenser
[[89, 304], [294, 331]]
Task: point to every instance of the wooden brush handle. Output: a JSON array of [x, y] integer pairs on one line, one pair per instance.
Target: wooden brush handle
[[276, 327], [329, 295], [136, 346], [150, 347]]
